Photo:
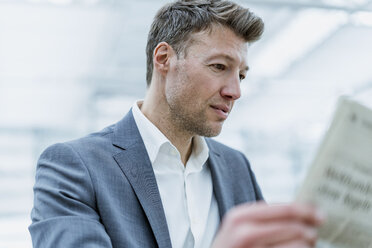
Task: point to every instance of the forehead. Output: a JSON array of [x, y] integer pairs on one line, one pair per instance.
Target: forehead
[[218, 41]]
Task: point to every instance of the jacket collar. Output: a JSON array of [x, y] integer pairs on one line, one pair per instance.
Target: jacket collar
[[222, 178], [135, 164]]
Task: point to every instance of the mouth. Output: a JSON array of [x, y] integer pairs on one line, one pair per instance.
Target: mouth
[[221, 109]]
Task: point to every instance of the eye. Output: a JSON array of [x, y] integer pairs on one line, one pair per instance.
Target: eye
[[219, 67]]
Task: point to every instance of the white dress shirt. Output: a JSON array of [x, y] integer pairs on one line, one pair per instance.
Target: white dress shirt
[[186, 192]]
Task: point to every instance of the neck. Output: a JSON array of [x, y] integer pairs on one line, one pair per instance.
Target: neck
[[157, 112]]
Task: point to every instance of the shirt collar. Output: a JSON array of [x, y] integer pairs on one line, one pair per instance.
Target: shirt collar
[[153, 139], [199, 155]]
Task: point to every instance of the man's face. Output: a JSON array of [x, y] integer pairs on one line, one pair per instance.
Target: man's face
[[201, 86]]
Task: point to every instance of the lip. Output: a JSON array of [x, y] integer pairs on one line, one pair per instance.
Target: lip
[[221, 109]]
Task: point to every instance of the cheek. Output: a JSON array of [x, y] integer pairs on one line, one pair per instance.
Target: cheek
[[188, 85], [193, 85], [201, 85]]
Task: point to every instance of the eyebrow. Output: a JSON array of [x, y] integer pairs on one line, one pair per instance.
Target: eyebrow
[[227, 57]]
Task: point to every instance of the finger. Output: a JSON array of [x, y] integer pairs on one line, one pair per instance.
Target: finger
[[288, 232], [261, 212], [294, 244], [276, 233]]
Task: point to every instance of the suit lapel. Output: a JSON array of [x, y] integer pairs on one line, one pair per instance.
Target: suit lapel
[[222, 180], [136, 165]]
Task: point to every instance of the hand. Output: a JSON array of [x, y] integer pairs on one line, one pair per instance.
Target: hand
[[269, 226]]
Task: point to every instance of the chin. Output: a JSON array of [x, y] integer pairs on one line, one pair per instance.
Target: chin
[[212, 131], [210, 135]]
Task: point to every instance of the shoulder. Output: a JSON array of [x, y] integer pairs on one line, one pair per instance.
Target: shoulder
[[92, 146], [96, 140], [109, 140], [76, 162]]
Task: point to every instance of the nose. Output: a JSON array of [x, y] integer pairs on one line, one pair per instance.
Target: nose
[[231, 90]]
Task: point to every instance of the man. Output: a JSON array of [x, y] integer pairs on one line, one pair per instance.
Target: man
[[152, 179]]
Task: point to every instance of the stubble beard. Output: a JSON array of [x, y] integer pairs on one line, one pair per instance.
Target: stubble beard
[[190, 117], [191, 123], [187, 115]]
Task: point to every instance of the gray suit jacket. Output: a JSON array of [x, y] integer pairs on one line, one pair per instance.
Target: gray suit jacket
[[101, 191]]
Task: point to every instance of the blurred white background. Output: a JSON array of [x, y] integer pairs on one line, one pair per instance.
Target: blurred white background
[[69, 67]]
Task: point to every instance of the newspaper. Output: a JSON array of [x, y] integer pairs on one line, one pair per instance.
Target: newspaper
[[339, 181]]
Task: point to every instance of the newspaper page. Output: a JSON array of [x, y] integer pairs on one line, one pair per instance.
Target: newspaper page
[[340, 179]]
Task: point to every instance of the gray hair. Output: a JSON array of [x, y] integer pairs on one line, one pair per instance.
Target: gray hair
[[175, 22]]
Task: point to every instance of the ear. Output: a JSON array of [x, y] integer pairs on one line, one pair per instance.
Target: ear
[[161, 59]]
